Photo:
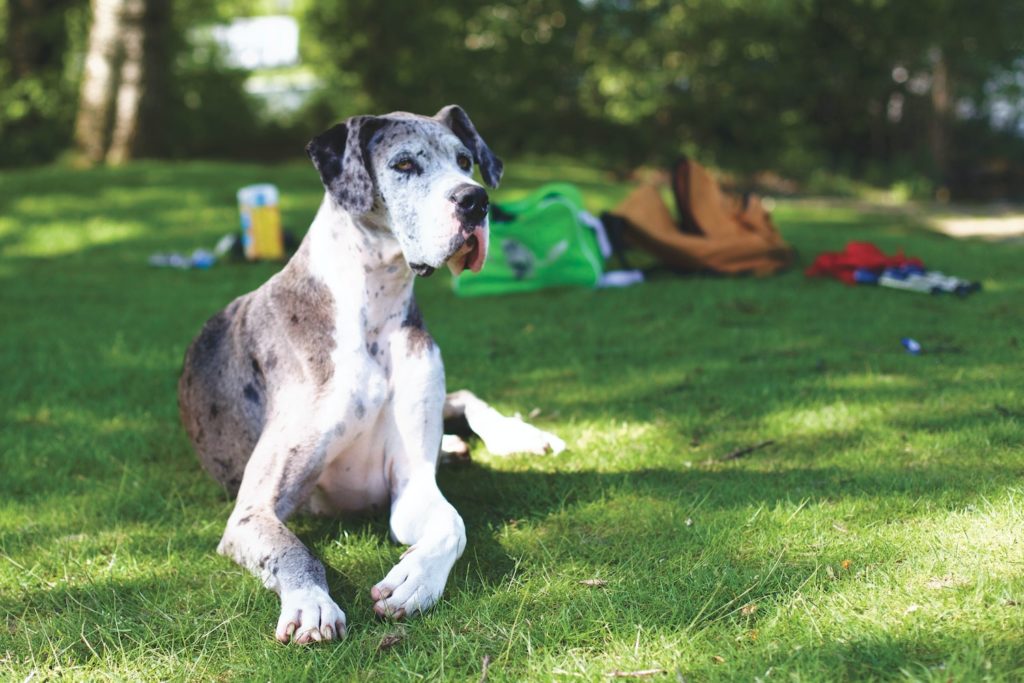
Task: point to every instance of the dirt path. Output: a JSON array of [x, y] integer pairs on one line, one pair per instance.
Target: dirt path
[[992, 222]]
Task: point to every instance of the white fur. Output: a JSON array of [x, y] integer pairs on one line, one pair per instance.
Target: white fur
[[426, 223]]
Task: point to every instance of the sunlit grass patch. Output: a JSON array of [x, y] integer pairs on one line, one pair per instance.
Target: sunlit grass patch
[[57, 240]]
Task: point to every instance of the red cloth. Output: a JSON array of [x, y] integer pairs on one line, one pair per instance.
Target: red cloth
[[857, 256]]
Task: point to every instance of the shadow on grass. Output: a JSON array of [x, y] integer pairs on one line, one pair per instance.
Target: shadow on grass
[[943, 654], [711, 569]]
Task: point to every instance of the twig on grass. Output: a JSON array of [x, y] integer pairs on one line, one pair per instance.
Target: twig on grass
[[1006, 412], [745, 451], [484, 665], [644, 673], [389, 641], [594, 583]]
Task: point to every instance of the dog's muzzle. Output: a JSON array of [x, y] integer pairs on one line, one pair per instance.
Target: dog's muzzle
[[469, 247], [469, 252]]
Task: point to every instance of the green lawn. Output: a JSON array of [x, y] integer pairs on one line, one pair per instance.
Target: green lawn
[[881, 536]]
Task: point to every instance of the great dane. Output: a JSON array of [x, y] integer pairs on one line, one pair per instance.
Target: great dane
[[322, 391]]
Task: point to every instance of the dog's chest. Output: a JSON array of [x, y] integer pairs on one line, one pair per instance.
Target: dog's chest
[[354, 477]]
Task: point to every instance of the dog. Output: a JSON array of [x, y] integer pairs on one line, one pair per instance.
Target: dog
[[322, 391]]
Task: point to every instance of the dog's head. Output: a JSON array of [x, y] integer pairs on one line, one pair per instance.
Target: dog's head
[[413, 175]]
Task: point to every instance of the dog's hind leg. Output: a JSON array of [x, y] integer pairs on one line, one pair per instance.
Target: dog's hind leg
[[501, 434], [282, 471]]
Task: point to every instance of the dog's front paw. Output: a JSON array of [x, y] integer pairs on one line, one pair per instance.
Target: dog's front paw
[[512, 435], [413, 585], [309, 615]]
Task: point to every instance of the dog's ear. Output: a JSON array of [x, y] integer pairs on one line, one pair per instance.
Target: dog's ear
[[457, 119], [340, 156]]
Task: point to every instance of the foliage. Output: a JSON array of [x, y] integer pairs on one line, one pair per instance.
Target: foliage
[[879, 538], [797, 87], [35, 118], [38, 87], [511, 65], [789, 85], [208, 112]]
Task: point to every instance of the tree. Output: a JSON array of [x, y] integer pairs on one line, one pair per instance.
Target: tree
[[36, 94], [126, 57]]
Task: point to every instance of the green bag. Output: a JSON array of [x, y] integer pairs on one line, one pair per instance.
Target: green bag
[[537, 242]]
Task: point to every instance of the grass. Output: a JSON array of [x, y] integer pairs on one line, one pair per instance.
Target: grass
[[879, 537]]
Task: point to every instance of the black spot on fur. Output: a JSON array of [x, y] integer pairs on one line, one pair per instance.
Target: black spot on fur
[[413, 316], [458, 121], [311, 567], [245, 520], [420, 340], [251, 394], [360, 408], [374, 348], [214, 410], [340, 155], [212, 335]]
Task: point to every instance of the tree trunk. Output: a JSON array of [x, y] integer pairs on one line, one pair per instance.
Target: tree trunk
[[162, 44], [130, 83], [121, 38]]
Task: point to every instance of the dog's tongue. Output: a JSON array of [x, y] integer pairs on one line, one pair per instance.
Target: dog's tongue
[[472, 254], [478, 254]]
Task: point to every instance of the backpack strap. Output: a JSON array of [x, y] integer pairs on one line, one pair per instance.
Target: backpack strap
[[682, 190], [500, 215], [616, 228]]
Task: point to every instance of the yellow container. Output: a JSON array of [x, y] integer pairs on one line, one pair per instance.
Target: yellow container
[[260, 214]]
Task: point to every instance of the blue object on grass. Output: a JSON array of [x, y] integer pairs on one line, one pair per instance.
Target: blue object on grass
[[865, 276], [911, 345]]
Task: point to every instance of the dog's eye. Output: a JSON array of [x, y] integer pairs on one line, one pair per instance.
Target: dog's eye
[[464, 162], [404, 165]]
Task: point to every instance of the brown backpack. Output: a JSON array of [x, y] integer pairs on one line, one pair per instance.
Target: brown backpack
[[716, 231]]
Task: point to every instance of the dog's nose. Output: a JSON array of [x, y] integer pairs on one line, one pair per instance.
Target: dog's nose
[[471, 203]]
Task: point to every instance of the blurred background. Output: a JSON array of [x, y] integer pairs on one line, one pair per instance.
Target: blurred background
[[924, 99]]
